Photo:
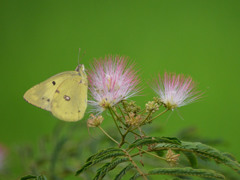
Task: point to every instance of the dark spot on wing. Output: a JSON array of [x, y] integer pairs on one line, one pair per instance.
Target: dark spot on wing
[[43, 98], [57, 91], [48, 100], [67, 98], [79, 111], [53, 82]]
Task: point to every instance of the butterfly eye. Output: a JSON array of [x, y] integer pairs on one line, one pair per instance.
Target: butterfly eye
[[54, 83]]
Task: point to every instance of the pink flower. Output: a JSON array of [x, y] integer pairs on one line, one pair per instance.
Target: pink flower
[[176, 90], [110, 81]]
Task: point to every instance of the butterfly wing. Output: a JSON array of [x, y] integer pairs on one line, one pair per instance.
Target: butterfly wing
[[70, 99], [42, 94]]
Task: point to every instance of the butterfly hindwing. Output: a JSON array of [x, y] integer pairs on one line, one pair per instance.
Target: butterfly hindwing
[[70, 99]]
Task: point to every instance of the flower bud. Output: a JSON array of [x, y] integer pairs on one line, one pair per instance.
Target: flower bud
[[133, 120], [171, 157], [132, 107], [157, 100], [152, 106], [94, 121]]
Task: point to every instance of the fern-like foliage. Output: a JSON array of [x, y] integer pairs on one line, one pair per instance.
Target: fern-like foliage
[[101, 172], [203, 150], [204, 173], [191, 158], [32, 177], [99, 157], [123, 172], [153, 140], [189, 149], [102, 152]]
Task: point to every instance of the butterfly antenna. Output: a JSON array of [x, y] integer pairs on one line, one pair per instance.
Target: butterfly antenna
[[79, 55]]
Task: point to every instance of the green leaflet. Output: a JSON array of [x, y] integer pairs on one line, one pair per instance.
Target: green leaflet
[[123, 172], [28, 177], [229, 156], [101, 172], [85, 167], [101, 156], [204, 173], [153, 140], [32, 177], [191, 158], [203, 150], [108, 150]]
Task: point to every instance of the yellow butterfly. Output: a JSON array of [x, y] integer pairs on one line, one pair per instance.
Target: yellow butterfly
[[64, 94]]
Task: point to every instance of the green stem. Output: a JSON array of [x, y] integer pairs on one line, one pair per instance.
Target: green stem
[[135, 165], [115, 121], [135, 133], [141, 131], [147, 152], [125, 108], [153, 155], [123, 137], [143, 121], [121, 111], [110, 137], [142, 111], [159, 115], [149, 114], [119, 118], [125, 134]]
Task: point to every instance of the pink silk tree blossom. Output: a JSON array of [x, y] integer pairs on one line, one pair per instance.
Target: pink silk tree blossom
[[176, 90], [111, 80]]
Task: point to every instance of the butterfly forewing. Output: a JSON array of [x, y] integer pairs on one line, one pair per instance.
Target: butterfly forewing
[[42, 94]]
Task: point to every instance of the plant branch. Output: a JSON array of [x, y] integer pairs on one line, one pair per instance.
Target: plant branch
[[115, 121], [135, 165], [147, 152], [149, 114], [135, 133], [152, 154], [110, 137], [159, 115], [141, 131], [121, 111], [142, 111], [123, 137], [118, 117]]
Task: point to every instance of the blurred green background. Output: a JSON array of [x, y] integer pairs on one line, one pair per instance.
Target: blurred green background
[[197, 38]]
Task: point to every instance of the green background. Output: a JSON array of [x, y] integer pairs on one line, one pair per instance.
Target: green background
[[197, 38]]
